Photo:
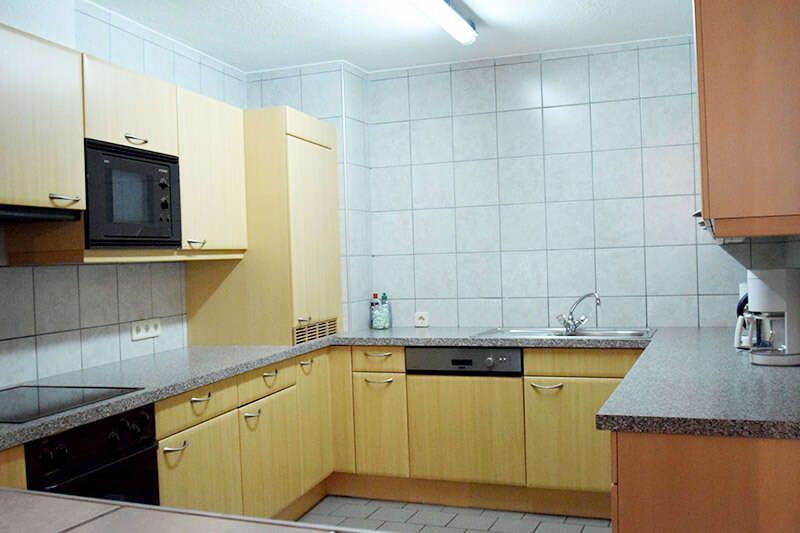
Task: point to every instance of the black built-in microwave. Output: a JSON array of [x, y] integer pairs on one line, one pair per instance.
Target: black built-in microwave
[[132, 197]]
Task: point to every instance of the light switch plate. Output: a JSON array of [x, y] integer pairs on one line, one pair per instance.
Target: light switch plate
[[421, 319], [145, 329]]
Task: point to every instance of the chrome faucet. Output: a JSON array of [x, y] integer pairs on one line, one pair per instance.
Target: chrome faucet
[[569, 322]]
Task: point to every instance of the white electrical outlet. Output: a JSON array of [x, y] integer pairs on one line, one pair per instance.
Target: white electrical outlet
[[145, 329], [421, 319]]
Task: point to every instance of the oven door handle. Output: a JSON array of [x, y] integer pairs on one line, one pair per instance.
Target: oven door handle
[[53, 488]]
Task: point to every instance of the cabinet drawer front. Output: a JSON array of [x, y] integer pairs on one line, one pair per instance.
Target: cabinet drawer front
[[194, 406], [265, 381], [381, 423], [200, 468], [379, 359], [580, 362], [564, 450]]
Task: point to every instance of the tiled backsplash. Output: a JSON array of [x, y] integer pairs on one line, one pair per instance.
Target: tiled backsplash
[[62, 318]]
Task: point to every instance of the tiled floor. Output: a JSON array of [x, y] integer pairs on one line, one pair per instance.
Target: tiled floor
[[421, 518]]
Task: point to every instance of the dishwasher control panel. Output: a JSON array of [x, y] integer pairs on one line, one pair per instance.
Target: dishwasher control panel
[[464, 361]]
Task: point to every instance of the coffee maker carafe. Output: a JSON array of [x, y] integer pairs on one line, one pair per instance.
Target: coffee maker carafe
[[774, 316]]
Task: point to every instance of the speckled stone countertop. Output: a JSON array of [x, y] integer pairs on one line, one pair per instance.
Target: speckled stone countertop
[[692, 381]]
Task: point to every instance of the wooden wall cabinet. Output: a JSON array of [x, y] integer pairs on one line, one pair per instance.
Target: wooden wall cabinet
[[314, 404], [213, 199], [270, 443], [748, 82], [128, 108], [200, 468], [41, 137], [381, 424], [288, 288]]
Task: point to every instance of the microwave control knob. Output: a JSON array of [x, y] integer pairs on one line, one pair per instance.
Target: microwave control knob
[[163, 183], [164, 202], [489, 362]]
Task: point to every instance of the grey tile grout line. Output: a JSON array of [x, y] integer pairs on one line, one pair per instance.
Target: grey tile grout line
[[544, 196], [594, 201], [641, 179], [497, 188], [453, 181]]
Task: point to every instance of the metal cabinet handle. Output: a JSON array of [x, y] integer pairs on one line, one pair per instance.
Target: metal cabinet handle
[[65, 197], [304, 319], [133, 139], [379, 382], [384, 354], [253, 415], [178, 449], [547, 387], [206, 398], [307, 362], [193, 242], [266, 375]]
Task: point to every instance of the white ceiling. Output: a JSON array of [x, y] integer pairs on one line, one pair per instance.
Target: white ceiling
[[380, 34]]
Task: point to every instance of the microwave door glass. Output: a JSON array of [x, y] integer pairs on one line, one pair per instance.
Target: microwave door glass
[[131, 199]]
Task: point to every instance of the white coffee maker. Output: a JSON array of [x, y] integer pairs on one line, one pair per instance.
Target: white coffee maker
[[774, 307]]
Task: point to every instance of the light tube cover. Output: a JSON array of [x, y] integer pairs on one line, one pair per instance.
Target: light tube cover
[[443, 14]]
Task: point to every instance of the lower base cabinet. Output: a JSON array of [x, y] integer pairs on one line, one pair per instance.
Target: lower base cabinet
[[314, 415], [564, 450], [270, 442], [200, 468], [381, 424]]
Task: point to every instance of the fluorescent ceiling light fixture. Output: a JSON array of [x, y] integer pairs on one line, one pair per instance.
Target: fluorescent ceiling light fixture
[[443, 14]]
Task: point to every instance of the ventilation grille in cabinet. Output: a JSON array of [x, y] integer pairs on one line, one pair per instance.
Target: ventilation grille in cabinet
[[317, 330]]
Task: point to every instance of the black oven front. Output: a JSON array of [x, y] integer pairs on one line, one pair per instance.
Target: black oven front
[[132, 197]]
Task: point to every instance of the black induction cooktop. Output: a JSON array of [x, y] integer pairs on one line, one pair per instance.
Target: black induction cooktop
[[29, 402]]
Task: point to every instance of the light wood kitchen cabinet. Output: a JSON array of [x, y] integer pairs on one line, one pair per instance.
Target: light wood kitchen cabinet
[[344, 448], [466, 429], [270, 442], [213, 203], [287, 290], [748, 81], [379, 359], [381, 424], [200, 468], [128, 108], [564, 450], [197, 405], [41, 137], [265, 381], [12, 468], [314, 405]]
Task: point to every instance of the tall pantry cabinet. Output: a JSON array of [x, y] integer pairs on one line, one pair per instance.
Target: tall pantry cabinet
[[287, 289]]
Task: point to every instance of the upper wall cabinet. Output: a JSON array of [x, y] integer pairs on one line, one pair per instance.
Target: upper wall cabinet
[[211, 142], [41, 124], [131, 109], [748, 82]]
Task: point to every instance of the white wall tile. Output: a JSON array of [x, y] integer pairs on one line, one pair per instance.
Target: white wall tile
[[668, 220], [473, 91], [524, 274], [521, 180], [98, 295], [433, 185], [402, 313], [56, 298], [358, 188], [389, 144], [565, 81], [622, 312], [570, 225], [562, 305], [337, 123], [281, 91], [570, 272], [519, 86], [672, 311], [173, 334], [435, 276], [359, 232], [614, 76], [430, 95], [522, 227], [392, 233], [441, 313], [477, 229], [126, 49], [434, 231], [485, 312], [566, 129], [616, 125], [388, 100], [212, 82], [719, 271], [16, 302], [100, 346], [479, 275], [665, 70], [474, 137], [92, 36], [671, 270], [187, 73], [394, 275], [617, 173], [322, 94], [58, 353], [667, 120], [18, 360], [568, 176], [718, 310], [166, 285], [359, 270], [519, 133], [619, 222], [620, 272], [159, 62], [524, 312], [355, 96], [475, 182], [135, 292], [431, 140], [253, 94], [668, 170], [356, 144], [390, 188], [129, 348]]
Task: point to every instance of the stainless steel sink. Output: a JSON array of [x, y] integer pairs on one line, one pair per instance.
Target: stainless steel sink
[[532, 333]]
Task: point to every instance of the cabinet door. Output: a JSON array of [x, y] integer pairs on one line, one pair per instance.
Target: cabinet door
[[211, 141], [41, 137], [127, 108], [316, 439], [381, 423], [314, 230], [466, 429], [199, 468], [564, 450], [270, 441]]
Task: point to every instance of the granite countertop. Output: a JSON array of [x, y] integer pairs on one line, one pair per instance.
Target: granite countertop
[[36, 511], [692, 381]]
